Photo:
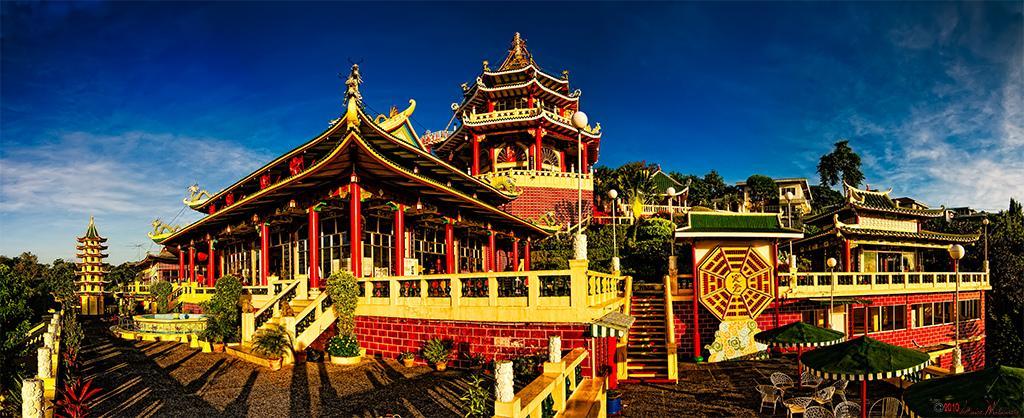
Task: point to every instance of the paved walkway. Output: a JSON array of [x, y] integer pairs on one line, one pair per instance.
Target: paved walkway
[[169, 379]]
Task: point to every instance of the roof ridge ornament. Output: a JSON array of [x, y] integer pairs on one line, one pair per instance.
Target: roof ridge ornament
[[518, 55], [352, 85]]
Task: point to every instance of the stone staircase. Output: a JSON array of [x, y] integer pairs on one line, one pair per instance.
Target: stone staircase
[[310, 315], [647, 355]]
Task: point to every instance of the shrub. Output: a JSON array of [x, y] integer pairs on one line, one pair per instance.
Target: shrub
[[343, 346], [272, 341], [406, 355], [437, 351], [161, 291], [477, 399], [344, 292], [223, 311]]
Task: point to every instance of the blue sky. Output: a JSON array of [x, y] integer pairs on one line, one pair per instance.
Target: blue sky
[[113, 109]]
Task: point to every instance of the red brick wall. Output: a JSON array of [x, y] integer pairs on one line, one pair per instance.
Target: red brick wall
[[790, 311], [534, 202], [388, 337]]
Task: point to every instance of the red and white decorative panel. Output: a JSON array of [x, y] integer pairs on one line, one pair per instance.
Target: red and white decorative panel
[[735, 283]]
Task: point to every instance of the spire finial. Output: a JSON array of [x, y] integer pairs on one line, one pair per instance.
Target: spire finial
[[518, 55], [352, 85]]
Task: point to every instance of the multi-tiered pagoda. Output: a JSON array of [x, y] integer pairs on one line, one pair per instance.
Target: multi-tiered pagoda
[[92, 271], [517, 133]]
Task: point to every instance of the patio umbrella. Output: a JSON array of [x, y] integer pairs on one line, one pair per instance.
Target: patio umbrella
[[799, 335], [864, 359], [1000, 388]]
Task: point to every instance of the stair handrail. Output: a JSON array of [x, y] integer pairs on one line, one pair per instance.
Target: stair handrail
[[264, 314], [670, 330], [315, 310]]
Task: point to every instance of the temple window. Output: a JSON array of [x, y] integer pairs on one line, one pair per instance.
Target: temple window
[[428, 249], [378, 244], [816, 317], [333, 244]]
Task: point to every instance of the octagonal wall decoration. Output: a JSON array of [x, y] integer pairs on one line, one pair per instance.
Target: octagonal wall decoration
[[735, 283]]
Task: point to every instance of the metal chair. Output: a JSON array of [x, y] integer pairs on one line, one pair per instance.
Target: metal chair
[[887, 407], [810, 380], [824, 396], [781, 381], [818, 412], [847, 409], [769, 395], [840, 386], [796, 405]]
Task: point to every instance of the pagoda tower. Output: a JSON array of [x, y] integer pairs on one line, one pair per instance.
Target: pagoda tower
[[516, 132], [92, 271]]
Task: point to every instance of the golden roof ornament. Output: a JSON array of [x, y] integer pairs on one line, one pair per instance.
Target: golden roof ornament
[[518, 55], [352, 85]]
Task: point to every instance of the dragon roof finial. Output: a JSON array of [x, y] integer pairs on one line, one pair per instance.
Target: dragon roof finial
[[352, 85]]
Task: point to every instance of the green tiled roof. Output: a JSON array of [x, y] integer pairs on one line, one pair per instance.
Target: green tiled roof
[[732, 222], [663, 181], [880, 201], [922, 235]]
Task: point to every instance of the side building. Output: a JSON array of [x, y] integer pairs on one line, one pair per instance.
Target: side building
[[92, 271]]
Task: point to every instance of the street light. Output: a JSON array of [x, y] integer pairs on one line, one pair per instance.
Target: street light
[[831, 263], [956, 252], [579, 120], [614, 195]]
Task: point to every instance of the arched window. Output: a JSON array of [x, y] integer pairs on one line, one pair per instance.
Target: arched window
[[552, 159], [511, 156]]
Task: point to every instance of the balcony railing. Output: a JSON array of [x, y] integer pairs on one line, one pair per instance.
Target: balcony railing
[[794, 285], [526, 112], [656, 209], [573, 295]]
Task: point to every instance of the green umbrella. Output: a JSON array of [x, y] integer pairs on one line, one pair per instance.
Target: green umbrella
[[799, 335], [864, 359], [1000, 388]]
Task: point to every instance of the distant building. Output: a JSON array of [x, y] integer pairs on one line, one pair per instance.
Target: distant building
[[801, 202], [92, 271]]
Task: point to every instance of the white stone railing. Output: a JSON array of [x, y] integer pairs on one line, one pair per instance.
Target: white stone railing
[[817, 284], [37, 393]]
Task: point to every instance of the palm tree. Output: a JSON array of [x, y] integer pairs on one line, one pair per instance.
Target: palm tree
[[637, 182]]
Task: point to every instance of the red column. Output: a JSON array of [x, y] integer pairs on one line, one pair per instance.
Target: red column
[[526, 256], [181, 265], [355, 234], [538, 151], [449, 246], [191, 263], [492, 263], [775, 264], [530, 101], [264, 253], [313, 247], [399, 238], [211, 266], [863, 398], [515, 254], [696, 313], [613, 378], [490, 106], [847, 266], [476, 154]]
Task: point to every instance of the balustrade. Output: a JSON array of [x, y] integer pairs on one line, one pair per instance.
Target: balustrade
[[858, 283]]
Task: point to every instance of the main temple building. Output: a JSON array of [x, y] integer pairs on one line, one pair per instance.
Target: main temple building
[[439, 229]]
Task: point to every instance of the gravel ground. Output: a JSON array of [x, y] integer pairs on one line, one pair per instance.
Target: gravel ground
[[169, 379], [722, 390]]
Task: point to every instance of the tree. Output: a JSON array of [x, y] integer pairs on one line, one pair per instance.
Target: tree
[[637, 182], [716, 185], [842, 163], [60, 281], [825, 198], [762, 191], [223, 311], [604, 180], [14, 324], [123, 274]]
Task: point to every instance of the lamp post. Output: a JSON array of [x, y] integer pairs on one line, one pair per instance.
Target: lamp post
[[614, 195], [579, 121], [956, 252], [789, 215], [671, 192], [831, 262]]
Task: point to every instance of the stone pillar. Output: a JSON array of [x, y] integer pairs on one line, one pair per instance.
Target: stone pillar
[[264, 253], [476, 154], [504, 386], [580, 247], [211, 266], [526, 255], [449, 246], [399, 239], [313, 246], [44, 363], [554, 349], [616, 265], [32, 398], [355, 235], [48, 340]]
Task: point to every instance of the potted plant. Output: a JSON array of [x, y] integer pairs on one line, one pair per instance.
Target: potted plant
[[223, 313], [437, 352], [273, 342], [344, 350], [212, 340], [407, 358]]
